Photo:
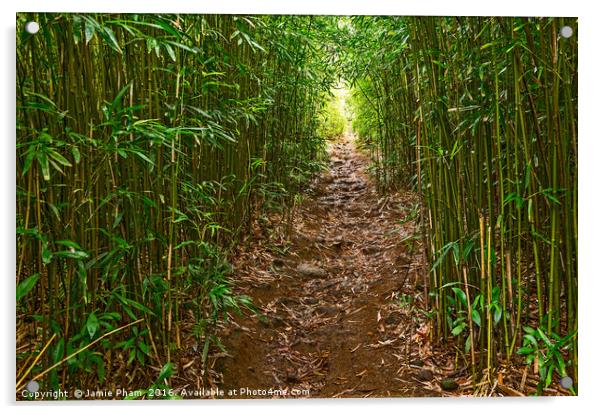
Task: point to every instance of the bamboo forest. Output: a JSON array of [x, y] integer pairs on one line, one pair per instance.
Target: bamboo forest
[[266, 206]]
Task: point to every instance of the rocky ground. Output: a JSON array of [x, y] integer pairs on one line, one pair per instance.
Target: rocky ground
[[339, 297]]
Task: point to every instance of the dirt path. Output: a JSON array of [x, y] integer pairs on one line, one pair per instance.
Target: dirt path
[[339, 299]]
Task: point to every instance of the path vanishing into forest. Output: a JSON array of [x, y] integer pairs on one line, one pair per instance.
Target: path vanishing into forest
[[337, 323], [175, 230]]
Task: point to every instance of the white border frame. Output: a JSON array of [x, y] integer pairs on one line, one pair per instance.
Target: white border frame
[[590, 149]]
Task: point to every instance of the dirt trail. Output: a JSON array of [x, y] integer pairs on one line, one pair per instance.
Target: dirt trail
[[339, 299]]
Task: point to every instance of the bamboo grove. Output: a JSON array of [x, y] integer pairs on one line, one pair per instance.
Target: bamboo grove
[[480, 115], [145, 145]]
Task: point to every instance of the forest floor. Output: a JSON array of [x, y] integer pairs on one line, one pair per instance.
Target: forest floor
[[337, 288], [340, 296]]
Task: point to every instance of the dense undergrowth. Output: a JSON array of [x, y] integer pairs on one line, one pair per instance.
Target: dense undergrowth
[[145, 146], [480, 115]]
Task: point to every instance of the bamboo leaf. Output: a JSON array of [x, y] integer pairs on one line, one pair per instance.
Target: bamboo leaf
[[26, 286], [92, 325], [109, 36], [44, 165], [89, 30]]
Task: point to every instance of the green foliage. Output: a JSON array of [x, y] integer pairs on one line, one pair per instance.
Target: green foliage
[[332, 119], [26, 286], [548, 352], [159, 389], [145, 148], [148, 144], [479, 116]]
